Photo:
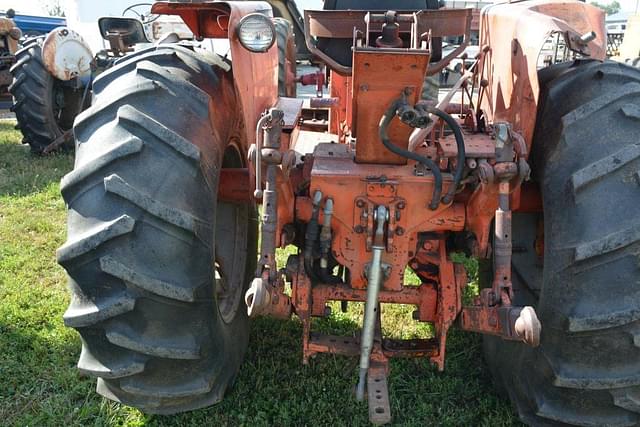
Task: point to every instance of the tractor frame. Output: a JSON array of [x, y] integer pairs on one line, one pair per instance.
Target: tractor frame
[[369, 213]]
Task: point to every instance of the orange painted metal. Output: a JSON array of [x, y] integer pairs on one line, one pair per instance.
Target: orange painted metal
[[356, 189], [373, 95], [234, 185], [361, 179], [530, 198], [339, 116], [423, 296], [255, 74], [439, 304], [514, 34]]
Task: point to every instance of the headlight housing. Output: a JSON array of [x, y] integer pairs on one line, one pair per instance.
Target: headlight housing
[[256, 32]]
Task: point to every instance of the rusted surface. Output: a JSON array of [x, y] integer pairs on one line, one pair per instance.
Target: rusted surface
[[235, 185], [66, 55], [476, 145], [423, 296], [530, 199], [439, 304], [65, 138], [372, 96], [340, 115], [515, 33], [507, 322], [421, 25], [255, 75], [444, 23], [11, 33], [449, 303], [378, 394], [317, 79], [356, 188]]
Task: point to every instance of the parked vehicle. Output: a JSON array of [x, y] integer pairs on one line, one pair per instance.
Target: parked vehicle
[[34, 25], [629, 50], [53, 75], [9, 37], [533, 172]]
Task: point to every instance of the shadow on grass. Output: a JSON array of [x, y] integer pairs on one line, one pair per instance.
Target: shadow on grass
[[39, 385], [38, 380], [274, 388], [22, 172]]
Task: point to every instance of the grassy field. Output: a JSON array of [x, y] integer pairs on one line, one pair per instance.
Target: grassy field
[[40, 386]]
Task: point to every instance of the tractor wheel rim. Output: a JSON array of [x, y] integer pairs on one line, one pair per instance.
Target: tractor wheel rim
[[231, 236]]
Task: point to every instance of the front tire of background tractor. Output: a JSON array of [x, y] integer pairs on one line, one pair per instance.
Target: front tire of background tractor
[[586, 158], [286, 44], [44, 107], [157, 266]]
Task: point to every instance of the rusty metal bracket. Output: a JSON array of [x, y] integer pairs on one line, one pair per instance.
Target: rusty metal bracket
[[266, 299], [508, 322], [579, 43], [364, 210], [378, 393], [65, 138]]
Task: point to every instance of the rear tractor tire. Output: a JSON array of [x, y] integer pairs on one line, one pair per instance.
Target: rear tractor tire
[[45, 107], [157, 266], [586, 289]]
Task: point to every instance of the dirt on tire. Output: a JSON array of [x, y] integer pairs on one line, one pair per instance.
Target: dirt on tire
[[586, 160], [157, 267]]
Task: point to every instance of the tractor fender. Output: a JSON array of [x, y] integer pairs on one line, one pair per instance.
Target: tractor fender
[[67, 55], [512, 36], [255, 74]]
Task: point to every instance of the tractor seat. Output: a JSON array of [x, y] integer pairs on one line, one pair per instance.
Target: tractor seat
[[340, 48]]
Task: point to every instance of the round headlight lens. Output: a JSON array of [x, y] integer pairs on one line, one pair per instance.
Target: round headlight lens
[[256, 32]]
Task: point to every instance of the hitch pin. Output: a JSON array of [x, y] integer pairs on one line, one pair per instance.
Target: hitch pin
[[371, 306]]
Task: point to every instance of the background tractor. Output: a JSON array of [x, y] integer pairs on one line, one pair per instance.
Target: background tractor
[[529, 163], [9, 38], [54, 72], [53, 77]]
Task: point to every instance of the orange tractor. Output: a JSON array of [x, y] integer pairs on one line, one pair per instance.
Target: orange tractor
[[530, 163]]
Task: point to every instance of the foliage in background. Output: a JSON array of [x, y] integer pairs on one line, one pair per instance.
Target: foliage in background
[[609, 9], [53, 7]]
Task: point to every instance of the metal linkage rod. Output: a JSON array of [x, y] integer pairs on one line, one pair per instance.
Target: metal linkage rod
[[371, 306]]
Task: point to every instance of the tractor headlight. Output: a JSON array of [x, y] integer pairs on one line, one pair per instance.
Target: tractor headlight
[[256, 32]]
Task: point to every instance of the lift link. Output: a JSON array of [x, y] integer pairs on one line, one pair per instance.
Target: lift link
[[266, 293], [492, 312]]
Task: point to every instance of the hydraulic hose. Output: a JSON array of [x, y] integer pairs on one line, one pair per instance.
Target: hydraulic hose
[[384, 137], [461, 158]]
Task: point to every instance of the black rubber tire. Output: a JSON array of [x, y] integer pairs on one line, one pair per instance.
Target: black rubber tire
[[143, 231], [586, 158], [33, 90], [286, 43]]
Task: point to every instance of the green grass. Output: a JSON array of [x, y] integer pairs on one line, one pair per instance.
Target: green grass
[[40, 386]]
